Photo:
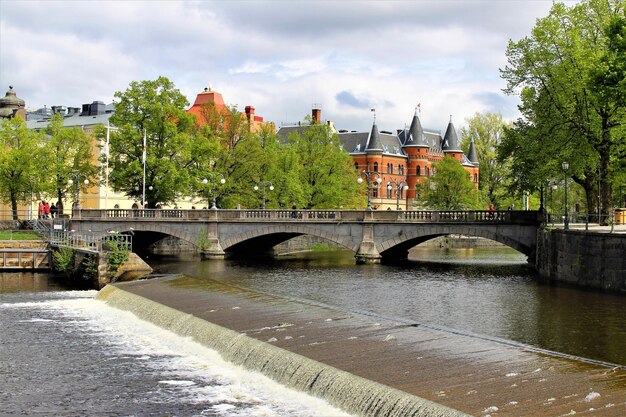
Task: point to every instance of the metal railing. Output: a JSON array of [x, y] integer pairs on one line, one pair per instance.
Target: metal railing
[[90, 242], [417, 216]]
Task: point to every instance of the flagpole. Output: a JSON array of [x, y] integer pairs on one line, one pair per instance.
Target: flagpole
[[106, 170], [143, 199]]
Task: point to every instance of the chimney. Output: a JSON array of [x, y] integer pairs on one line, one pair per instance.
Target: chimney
[[250, 114], [316, 113]]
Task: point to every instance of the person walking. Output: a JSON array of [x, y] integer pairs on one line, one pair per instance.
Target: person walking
[[53, 211], [491, 211], [46, 209], [41, 211]]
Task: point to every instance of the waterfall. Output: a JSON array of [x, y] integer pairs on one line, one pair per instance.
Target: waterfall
[[351, 393]]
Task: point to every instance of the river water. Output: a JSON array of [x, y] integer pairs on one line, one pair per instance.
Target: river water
[[63, 353]]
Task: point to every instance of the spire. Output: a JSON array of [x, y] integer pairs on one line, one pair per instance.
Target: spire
[[473, 158], [450, 139], [416, 133], [374, 144]]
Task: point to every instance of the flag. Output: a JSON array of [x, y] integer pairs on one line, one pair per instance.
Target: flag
[[143, 157], [373, 110], [419, 106]]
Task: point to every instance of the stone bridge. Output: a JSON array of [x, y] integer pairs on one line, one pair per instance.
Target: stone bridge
[[372, 235]]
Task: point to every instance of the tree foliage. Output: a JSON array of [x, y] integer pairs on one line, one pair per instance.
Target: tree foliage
[[486, 131], [450, 187], [69, 156], [22, 164], [155, 109], [569, 73]]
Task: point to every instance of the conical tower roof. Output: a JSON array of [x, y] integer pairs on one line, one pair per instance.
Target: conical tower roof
[[416, 133], [374, 143], [473, 158], [450, 139]]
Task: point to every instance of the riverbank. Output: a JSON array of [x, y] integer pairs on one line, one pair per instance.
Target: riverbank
[[473, 374]]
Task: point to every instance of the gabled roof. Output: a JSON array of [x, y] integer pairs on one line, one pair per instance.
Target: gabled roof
[[450, 139], [356, 143]]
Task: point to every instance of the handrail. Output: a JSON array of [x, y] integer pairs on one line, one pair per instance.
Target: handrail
[[412, 216]]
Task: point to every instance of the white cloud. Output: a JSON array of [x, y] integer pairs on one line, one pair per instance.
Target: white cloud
[[280, 56]]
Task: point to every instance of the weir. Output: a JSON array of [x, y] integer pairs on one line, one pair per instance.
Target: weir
[[349, 392], [369, 365]]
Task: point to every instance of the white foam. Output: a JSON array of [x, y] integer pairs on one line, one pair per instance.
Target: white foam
[[199, 374]]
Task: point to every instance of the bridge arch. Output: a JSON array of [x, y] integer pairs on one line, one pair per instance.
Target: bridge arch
[[262, 239], [158, 229], [398, 247]]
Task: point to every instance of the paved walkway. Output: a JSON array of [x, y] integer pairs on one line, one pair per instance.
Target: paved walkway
[[477, 375], [593, 227]]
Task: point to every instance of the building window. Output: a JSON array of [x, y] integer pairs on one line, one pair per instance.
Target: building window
[[356, 166], [426, 171], [475, 177], [418, 171], [375, 192], [389, 168], [375, 166], [389, 191], [401, 169]]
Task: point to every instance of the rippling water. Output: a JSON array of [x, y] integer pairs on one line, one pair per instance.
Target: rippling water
[[66, 354], [63, 353], [483, 291]]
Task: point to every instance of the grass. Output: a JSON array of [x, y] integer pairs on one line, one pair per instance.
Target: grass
[[18, 235]]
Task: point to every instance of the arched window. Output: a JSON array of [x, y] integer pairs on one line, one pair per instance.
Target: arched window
[[389, 191], [375, 166], [475, 177], [375, 192], [418, 171], [356, 166], [389, 168], [426, 171]]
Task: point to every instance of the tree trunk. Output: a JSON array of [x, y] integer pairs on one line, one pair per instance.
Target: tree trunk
[[14, 215]]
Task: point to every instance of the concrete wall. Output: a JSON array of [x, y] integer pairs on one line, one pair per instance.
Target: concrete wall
[[590, 260]]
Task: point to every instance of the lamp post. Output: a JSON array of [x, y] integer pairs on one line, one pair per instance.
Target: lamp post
[[78, 184], [368, 177], [400, 186], [263, 185], [212, 178], [565, 166]]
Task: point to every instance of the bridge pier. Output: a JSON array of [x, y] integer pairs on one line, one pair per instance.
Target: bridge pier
[[213, 248], [367, 253]]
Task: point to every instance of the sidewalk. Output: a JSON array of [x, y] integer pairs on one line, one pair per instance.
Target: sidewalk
[[592, 227]]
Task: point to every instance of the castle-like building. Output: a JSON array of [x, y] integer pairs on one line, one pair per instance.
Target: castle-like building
[[395, 163]]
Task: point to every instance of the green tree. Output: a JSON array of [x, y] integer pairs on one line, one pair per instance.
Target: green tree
[[154, 110], [486, 130], [450, 188], [22, 163], [326, 170], [572, 110], [69, 156]]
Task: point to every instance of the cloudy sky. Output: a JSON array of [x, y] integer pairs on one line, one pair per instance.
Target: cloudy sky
[[279, 56]]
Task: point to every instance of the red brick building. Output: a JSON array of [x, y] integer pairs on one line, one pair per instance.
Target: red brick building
[[397, 162]]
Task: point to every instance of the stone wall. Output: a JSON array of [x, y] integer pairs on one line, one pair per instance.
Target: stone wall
[[590, 260]]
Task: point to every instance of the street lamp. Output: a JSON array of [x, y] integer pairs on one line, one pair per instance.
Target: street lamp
[[565, 166], [400, 186], [71, 182], [263, 185], [368, 177], [213, 180]]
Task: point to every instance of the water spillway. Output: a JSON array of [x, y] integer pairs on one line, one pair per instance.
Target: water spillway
[[349, 392], [345, 356]]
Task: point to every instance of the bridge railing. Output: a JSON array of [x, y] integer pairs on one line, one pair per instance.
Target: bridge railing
[[413, 216]]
